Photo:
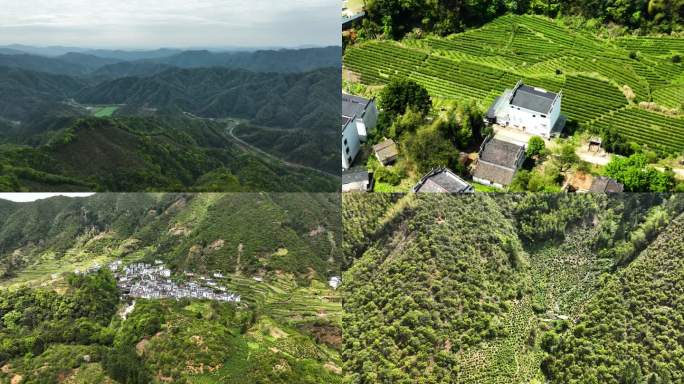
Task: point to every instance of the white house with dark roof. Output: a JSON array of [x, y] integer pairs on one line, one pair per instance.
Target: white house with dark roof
[[351, 144], [534, 110], [498, 162], [442, 180], [357, 179], [359, 116]]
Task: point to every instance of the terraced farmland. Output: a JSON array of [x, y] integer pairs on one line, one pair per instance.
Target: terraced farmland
[[598, 77], [647, 127]]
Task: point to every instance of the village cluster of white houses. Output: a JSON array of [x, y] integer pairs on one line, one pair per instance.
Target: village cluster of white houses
[[154, 281], [148, 281], [530, 110]]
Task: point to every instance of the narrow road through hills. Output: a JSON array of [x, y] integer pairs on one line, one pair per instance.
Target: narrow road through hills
[[231, 133], [230, 128]]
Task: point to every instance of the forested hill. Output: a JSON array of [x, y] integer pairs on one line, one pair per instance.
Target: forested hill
[[276, 251], [249, 233], [158, 131], [513, 288], [306, 100], [395, 18], [171, 153]]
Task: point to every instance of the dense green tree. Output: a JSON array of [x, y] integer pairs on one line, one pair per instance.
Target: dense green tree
[[429, 148], [565, 156], [401, 94], [637, 176], [535, 147]]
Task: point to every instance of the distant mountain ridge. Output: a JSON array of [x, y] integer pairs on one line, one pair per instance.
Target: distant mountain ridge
[[86, 63]]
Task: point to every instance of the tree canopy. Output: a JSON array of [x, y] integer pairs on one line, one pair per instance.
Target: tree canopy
[[401, 94]]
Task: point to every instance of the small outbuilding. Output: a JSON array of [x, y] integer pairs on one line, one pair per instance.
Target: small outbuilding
[[498, 162], [357, 179], [442, 180], [603, 184], [386, 151]]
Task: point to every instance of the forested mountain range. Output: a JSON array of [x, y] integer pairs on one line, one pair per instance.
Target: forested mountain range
[[275, 250], [513, 288], [305, 100], [42, 98], [172, 153]]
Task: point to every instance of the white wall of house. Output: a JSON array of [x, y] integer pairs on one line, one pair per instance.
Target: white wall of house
[[361, 130], [555, 110], [355, 186], [350, 144], [532, 122], [368, 122], [487, 182], [370, 118]]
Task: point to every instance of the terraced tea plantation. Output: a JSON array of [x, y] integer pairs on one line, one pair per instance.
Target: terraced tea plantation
[[603, 81]]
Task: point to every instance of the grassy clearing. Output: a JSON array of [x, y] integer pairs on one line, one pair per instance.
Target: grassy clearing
[[105, 111]]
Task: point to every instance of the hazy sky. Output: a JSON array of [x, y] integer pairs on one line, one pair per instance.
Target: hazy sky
[[24, 197], [170, 23]]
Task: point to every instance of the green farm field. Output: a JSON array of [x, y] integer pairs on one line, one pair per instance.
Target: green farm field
[[630, 83], [105, 111]]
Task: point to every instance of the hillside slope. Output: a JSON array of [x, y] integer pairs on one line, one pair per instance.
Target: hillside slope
[[295, 100], [631, 330], [151, 153], [243, 232], [274, 250], [606, 82], [511, 288]]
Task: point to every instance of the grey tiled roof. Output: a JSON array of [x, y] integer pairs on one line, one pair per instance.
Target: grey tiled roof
[[442, 180], [354, 175], [386, 151], [494, 173], [533, 99], [501, 153], [353, 105], [602, 184]]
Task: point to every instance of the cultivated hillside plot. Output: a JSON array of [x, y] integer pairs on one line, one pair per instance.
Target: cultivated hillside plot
[[140, 288], [512, 288], [602, 80]]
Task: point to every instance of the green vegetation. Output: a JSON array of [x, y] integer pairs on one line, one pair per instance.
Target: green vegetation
[[426, 138], [512, 288], [231, 233], [46, 337], [57, 326], [149, 153], [394, 18], [403, 94], [634, 173], [105, 111], [81, 122], [605, 85]]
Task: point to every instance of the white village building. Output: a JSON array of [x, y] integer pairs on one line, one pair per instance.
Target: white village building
[[359, 116], [534, 110]]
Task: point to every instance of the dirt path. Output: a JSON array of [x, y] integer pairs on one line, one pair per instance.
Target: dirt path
[[679, 172], [594, 158]]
